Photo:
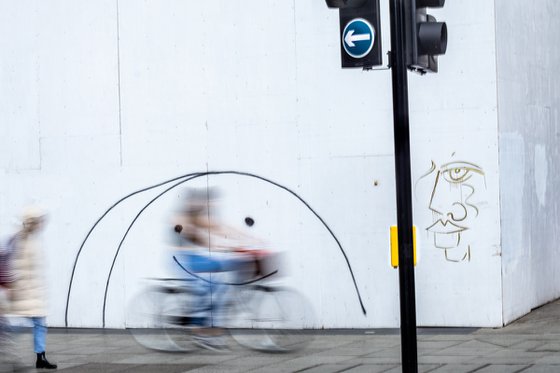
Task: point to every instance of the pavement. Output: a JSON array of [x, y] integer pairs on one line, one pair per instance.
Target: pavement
[[531, 344]]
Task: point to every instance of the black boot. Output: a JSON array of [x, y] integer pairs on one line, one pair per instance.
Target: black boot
[[42, 362]]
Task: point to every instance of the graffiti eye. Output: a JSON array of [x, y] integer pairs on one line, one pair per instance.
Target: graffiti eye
[[456, 174]]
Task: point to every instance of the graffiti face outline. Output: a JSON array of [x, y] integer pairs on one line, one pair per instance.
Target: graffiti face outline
[[453, 210]]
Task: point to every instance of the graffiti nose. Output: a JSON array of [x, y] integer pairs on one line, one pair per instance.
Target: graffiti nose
[[438, 202], [458, 212], [446, 203]]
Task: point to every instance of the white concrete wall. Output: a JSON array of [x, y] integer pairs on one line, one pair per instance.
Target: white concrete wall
[[104, 98], [454, 143], [529, 118]]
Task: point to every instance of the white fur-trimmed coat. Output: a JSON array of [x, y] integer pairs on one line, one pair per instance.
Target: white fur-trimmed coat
[[28, 288]]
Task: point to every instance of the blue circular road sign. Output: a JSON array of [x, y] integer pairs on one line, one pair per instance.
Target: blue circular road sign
[[358, 37]]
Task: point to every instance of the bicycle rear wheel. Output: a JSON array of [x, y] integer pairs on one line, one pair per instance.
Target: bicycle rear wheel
[[161, 318], [271, 319]]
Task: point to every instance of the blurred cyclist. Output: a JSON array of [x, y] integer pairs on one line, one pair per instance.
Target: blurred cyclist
[[202, 244]]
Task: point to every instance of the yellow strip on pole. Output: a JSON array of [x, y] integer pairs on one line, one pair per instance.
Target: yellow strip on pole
[[395, 245]]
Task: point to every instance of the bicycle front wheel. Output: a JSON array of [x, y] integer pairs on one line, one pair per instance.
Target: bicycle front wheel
[[271, 319], [159, 319]]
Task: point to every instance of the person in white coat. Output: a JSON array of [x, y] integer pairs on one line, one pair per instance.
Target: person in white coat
[[28, 288]]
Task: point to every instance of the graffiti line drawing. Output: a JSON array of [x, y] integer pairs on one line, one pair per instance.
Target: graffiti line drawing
[[177, 181], [452, 206]]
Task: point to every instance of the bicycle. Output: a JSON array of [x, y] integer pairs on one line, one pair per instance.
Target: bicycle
[[261, 315]]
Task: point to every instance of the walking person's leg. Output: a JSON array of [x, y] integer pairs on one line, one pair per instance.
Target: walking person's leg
[[40, 342]]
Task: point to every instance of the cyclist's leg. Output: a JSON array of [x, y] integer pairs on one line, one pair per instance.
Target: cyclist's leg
[[193, 265], [214, 292]]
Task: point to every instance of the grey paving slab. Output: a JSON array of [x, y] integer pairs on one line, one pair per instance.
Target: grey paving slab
[[502, 368], [376, 341], [329, 368], [128, 368], [372, 368], [436, 345], [528, 345], [160, 358], [65, 366], [314, 360], [511, 356], [548, 347], [377, 360], [89, 349], [448, 337], [219, 369], [393, 352], [274, 368], [502, 340], [203, 359], [448, 359], [88, 358], [474, 347], [158, 368], [320, 343], [549, 359], [458, 368], [346, 351], [542, 369], [258, 360], [422, 368], [379, 341], [96, 367]]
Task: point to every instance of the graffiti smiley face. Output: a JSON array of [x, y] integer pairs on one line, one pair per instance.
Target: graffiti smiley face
[[454, 207]]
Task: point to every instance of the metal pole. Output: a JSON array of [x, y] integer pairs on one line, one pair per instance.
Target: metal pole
[[404, 189]]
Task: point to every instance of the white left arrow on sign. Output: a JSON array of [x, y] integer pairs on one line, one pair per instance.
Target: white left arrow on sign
[[350, 38]]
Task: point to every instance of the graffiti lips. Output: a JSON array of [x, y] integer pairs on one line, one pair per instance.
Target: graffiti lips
[[446, 234]]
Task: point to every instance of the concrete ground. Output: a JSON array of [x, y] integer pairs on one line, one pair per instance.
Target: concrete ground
[[531, 344]]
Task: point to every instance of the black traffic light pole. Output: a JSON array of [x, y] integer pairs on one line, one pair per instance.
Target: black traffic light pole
[[404, 189], [416, 41]]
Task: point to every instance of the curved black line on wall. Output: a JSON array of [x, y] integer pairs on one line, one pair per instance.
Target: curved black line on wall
[[95, 225], [186, 178], [126, 234]]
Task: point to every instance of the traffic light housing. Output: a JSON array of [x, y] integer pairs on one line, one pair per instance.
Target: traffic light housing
[[360, 32], [426, 38]]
